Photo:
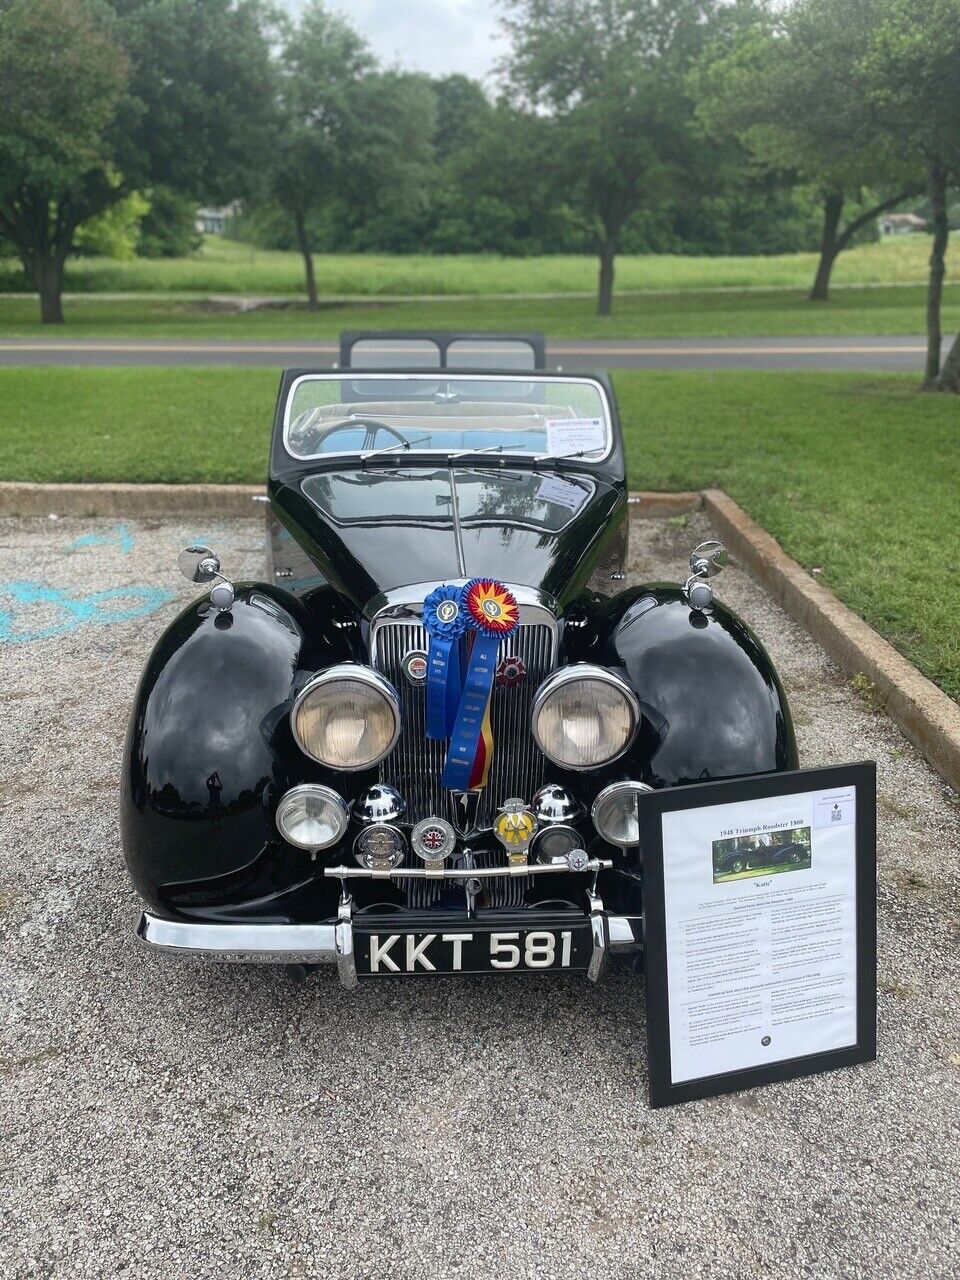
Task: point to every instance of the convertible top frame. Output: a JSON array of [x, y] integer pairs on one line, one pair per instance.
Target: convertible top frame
[[485, 350]]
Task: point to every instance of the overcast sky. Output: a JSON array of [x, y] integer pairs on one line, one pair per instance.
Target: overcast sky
[[438, 36]]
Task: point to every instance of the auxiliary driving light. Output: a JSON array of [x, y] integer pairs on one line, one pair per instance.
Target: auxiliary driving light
[[616, 812], [553, 803], [312, 816]]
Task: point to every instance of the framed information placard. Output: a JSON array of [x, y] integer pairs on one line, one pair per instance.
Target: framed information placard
[[760, 929]]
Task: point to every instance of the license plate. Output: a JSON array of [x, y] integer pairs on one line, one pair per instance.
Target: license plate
[[472, 950]]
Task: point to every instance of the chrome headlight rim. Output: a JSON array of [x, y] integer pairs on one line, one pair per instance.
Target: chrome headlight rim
[[578, 672], [551, 832], [359, 674], [603, 798], [334, 798]]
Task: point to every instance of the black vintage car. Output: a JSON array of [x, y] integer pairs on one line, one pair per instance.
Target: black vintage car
[[757, 856], [421, 744]]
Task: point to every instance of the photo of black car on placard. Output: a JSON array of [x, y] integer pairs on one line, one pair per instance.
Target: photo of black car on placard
[[771, 852], [432, 724]]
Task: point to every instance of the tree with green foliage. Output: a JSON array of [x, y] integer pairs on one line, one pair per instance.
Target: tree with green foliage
[[115, 233], [913, 69], [168, 228], [611, 76], [99, 99], [348, 134], [63, 74], [791, 87]]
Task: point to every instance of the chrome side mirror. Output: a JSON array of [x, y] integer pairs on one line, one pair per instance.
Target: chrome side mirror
[[199, 564], [706, 561]]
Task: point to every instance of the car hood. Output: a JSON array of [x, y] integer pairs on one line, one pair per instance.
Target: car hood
[[373, 530]]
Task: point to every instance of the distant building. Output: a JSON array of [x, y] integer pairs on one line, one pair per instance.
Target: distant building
[[898, 224], [213, 222]]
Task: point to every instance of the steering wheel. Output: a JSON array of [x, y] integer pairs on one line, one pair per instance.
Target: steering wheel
[[372, 427]]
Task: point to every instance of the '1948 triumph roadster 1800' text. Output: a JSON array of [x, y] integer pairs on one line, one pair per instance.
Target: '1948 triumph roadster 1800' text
[[421, 745]]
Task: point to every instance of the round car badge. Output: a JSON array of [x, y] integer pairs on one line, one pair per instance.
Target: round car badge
[[414, 666], [433, 839], [510, 672], [379, 847], [515, 826]]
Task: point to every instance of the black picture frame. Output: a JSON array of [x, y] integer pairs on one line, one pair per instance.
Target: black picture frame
[[862, 776]]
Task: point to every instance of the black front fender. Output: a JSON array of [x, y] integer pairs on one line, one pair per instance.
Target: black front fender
[[209, 748], [712, 703]]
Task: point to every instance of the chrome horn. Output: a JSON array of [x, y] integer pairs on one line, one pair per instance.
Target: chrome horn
[[199, 564], [706, 561]]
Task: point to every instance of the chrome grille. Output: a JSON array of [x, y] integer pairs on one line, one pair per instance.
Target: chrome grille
[[416, 763]]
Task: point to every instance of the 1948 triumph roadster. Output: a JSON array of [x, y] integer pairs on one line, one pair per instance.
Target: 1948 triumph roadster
[[421, 745]]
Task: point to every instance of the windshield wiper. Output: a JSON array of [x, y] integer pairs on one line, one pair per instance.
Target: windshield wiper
[[556, 457], [470, 453], [390, 448]]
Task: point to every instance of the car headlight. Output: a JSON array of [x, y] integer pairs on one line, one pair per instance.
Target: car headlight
[[311, 816], [584, 716], [616, 813], [347, 717]]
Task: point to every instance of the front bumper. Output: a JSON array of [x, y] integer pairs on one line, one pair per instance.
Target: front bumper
[[333, 943]]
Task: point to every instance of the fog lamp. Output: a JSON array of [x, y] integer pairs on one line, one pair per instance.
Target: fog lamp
[[616, 812], [312, 816]]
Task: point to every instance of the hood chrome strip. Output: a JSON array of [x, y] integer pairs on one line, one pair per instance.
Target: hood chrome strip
[[457, 531]]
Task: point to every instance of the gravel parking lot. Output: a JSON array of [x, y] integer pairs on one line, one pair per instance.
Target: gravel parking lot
[[189, 1120]]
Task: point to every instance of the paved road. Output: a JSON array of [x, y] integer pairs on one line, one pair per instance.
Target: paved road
[[163, 1120], [904, 354]]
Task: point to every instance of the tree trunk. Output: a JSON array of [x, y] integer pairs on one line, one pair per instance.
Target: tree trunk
[[949, 379], [941, 232], [313, 302], [46, 271], [829, 246], [608, 250]]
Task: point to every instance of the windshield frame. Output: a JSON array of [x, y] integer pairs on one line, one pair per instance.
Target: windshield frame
[[450, 374]]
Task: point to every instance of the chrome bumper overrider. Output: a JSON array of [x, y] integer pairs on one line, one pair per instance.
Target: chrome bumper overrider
[[333, 943]]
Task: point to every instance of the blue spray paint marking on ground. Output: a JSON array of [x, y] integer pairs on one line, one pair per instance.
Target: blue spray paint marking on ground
[[120, 535], [77, 611]]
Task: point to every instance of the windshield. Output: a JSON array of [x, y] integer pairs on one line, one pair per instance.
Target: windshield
[[353, 413]]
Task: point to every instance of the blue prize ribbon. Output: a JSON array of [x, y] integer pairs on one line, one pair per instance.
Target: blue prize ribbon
[[473, 703], [445, 621]]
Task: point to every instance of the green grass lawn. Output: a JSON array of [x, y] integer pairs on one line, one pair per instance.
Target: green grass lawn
[[225, 266], [859, 477], [891, 309]]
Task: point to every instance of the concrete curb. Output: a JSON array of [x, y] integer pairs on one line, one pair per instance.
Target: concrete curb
[[130, 500], [928, 716], [646, 504]]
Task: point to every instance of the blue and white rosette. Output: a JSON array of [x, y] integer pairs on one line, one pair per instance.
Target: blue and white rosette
[[445, 621]]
